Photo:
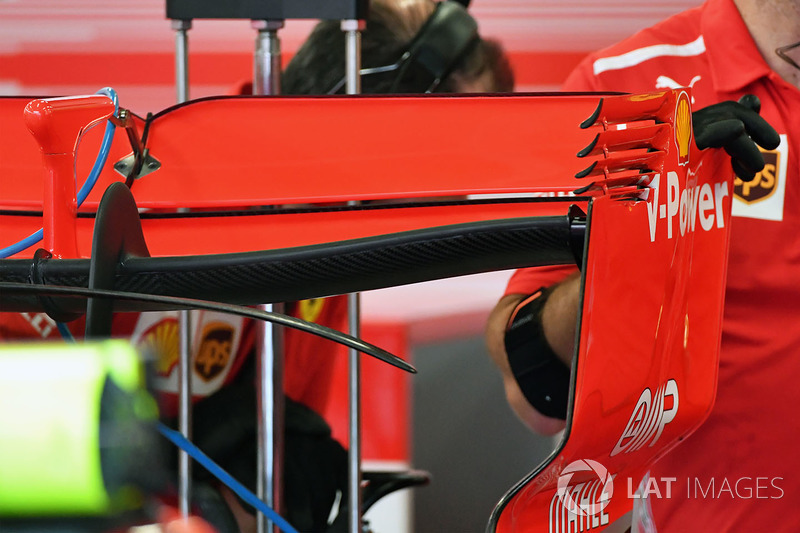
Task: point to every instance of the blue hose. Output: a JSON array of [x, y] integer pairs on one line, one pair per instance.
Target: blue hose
[[195, 453], [86, 188], [66, 334]]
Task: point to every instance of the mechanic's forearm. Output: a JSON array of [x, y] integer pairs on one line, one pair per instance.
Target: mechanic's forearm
[[495, 340], [560, 317], [496, 332]]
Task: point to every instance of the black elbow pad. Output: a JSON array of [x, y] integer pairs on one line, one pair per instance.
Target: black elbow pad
[[541, 375]]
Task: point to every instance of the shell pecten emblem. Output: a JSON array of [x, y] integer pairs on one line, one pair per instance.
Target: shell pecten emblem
[[161, 340], [683, 127], [311, 309]]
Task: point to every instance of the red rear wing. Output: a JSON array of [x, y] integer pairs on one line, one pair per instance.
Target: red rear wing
[[241, 151], [653, 262], [648, 340]]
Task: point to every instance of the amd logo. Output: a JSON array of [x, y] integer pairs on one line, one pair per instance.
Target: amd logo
[[651, 414]]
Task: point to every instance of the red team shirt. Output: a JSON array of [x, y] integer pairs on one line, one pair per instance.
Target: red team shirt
[[740, 470]]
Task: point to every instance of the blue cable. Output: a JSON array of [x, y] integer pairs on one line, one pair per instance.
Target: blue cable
[[184, 444], [105, 148], [24, 244], [66, 334], [86, 188]]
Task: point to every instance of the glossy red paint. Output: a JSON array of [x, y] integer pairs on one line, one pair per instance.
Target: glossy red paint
[[652, 284], [237, 152], [57, 125], [649, 334]]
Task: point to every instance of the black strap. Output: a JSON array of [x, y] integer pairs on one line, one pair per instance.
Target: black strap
[[542, 377]]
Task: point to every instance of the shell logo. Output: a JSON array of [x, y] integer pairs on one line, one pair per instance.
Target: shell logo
[[311, 309], [683, 127], [161, 340]]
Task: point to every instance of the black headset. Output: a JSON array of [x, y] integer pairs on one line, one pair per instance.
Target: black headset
[[445, 38]]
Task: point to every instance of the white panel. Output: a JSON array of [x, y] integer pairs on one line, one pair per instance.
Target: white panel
[[394, 512]]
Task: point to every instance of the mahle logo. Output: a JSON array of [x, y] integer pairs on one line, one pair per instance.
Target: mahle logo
[[587, 498], [764, 184]]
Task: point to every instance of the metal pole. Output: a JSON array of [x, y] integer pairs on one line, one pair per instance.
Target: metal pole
[[269, 350], [185, 412], [181, 28], [352, 29], [267, 59], [354, 421], [270, 412]]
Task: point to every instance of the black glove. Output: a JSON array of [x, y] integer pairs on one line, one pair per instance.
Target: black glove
[[737, 127], [315, 465]]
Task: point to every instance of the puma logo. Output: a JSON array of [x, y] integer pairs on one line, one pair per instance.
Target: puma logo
[[665, 82]]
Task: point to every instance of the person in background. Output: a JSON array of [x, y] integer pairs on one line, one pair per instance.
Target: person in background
[[315, 464], [723, 50]]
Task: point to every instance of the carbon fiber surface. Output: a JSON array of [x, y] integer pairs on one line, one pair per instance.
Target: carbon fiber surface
[[320, 270]]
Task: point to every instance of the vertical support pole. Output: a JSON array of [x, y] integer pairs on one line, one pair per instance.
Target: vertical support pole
[[185, 411], [270, 412], [267, 58], [181, 28], [352, 29], [269, 349]]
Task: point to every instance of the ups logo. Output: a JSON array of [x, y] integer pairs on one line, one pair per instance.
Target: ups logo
[[215, 350], [763, 185]]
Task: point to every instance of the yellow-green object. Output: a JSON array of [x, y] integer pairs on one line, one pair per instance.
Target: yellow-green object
[[50, 398]]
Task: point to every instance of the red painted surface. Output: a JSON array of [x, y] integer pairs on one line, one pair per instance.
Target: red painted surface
[[239, 152], [385, 397], [57, 125], [651, 309], [649, 343], [292, 150]]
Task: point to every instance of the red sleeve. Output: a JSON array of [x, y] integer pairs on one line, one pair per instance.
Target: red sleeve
[[582, 78], [309, 361], [529, 280]]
